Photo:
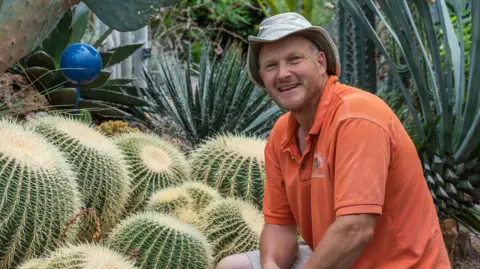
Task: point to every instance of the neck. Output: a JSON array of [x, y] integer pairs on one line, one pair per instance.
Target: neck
[[306, 116]]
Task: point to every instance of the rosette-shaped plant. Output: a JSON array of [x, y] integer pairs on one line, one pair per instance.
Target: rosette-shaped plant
[[232, 164], [102, 173], [161, 241], [153, 163], [81, 256], [232, 226], [38, 195]]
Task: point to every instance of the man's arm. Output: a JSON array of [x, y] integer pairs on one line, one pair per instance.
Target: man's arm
[[343, 242], [278, 245]]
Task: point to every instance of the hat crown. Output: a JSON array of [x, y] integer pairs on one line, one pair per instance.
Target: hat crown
[[289, 21]]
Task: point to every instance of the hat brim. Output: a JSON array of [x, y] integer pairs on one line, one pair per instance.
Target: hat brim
[[316, 34]]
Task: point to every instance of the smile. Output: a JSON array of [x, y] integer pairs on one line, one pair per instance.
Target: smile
[[288, 87]]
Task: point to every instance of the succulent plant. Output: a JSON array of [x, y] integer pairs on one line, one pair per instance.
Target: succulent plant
[[38, 195], [232, 164], [200, 195], [232, 226], [170, 201], [81, 256], [39, 18], [161, 241], [102, 173], [36, 263], [113, 128], [185, 202], [153, 164]]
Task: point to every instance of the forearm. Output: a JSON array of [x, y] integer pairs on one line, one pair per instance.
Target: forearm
[[339, 248], [278, 245]]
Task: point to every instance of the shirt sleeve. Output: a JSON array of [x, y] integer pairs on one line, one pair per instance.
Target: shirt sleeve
[[276, 208], [362, 158]]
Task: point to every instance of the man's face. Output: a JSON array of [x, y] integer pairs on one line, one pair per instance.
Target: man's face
[[293, 75]]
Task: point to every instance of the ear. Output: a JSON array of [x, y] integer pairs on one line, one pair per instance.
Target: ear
[[322, 62], [261, 74]]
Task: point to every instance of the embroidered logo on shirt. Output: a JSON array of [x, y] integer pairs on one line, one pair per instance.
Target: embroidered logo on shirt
[[317, 169]]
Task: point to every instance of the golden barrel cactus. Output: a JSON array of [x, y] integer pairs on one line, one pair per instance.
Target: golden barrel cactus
[[38, 195], [153, 164], [101, 170], [232, 164]]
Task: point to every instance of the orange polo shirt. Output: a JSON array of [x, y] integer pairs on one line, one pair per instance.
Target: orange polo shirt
[[358, 159]]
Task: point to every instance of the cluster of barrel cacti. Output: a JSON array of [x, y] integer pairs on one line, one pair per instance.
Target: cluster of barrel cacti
[[73, 197]]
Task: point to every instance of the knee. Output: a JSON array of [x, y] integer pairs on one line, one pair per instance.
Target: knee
[[236, 261]]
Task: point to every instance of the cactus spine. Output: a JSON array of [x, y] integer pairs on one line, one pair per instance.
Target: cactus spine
[[24, 24], [81, 256], [233, 164], [161, 241], [102, 173], [232, 226], [185, 202], [153, 163], [38, 195]]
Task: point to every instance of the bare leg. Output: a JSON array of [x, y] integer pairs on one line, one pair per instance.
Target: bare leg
[[236, 261]]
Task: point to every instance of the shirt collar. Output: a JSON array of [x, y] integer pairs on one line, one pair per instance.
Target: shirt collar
[[321, 112]]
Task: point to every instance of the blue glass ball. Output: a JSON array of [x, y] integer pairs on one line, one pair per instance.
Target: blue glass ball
[[85, 58]]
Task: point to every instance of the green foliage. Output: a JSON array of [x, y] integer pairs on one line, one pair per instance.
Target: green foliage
[[317, 12], [153, 164], [162, 242], [357, 52], [448, 95], [38, 193], [81, 256], [126, 15], [102, 173], [224, 100], [234, 165], [186, 27], [38, 19], [103, 96]]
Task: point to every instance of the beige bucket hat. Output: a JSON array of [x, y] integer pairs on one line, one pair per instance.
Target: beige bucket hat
[[285, 24]]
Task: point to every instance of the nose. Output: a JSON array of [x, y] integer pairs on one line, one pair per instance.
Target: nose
[[283, 72]]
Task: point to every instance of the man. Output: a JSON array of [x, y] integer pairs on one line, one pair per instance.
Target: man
[[339, 166]]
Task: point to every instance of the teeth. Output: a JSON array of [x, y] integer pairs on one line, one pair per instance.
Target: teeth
[[288, 87]]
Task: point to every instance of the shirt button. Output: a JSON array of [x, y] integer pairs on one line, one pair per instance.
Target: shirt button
[[302, 166]]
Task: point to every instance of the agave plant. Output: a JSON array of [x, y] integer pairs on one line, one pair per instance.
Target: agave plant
[[449, 119], [37, 19], [225, 100], [103, 96]]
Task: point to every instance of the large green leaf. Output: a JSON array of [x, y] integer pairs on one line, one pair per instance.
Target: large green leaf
[[99, 81], [469, 140], [41, 59], [66, 96], [126, 15], [119, 54], [57, 41], [79, 22]]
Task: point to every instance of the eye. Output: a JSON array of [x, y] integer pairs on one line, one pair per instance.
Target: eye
[[295, 59], [269, 66]]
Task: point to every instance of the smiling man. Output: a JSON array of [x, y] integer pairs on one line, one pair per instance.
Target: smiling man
[[340, 166]]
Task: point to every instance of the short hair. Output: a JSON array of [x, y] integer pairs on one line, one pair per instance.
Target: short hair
[[314, 47]]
